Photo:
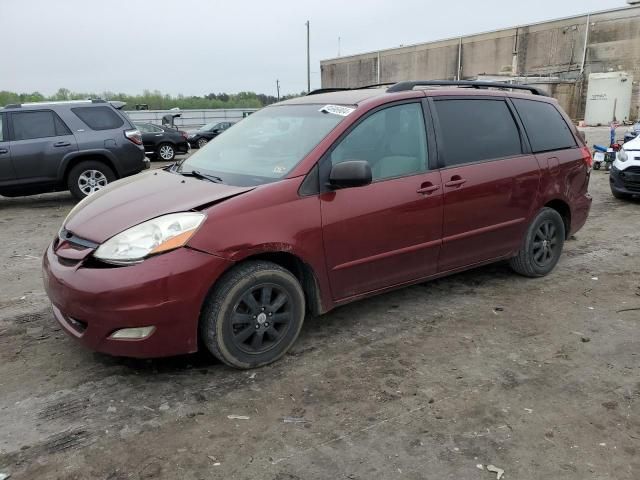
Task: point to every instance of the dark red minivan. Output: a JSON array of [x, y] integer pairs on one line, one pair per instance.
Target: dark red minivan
[[312, 203]]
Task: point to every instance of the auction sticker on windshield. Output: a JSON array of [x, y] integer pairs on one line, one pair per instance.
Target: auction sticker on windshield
[[337, 110]]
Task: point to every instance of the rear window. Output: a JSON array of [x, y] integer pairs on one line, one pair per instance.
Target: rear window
[[545, 127], [98, 118], [473, 130]]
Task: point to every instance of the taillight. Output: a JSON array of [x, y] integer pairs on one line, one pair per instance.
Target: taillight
[[134, 135], [586, 156]]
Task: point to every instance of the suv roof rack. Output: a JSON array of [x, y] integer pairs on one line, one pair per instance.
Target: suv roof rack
[[404, 86], [54, 102], [342, 89]]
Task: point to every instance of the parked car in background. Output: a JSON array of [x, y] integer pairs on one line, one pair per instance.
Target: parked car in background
[[624, 177], [79, 146], [163, 143], [632, 132], [204, 134], [355, 193]]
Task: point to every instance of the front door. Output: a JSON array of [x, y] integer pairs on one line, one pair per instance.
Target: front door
[[386, 233], [490, 181], [39, 142]]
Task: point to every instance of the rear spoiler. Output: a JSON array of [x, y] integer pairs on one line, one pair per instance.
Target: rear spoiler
[[118, 105]]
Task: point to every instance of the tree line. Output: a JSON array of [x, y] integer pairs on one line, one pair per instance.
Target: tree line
[[155, 100]]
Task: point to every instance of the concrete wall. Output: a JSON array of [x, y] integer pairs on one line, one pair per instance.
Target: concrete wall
[[555, 48]]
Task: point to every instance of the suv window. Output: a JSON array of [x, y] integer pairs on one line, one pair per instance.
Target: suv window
[[473, 130], [98, 118], [392, 140], [1, 128], [37, 124], [545, 127]]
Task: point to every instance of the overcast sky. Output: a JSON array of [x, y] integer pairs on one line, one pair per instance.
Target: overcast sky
[[195, 47]]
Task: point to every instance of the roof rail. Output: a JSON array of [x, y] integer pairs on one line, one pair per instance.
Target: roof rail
[[404, 86], [342, 89], [54, 102]]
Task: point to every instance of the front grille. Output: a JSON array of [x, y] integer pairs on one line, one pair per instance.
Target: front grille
[[633, 169], [632, 186]]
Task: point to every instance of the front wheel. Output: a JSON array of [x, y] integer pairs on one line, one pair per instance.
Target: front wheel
[[542, 246], [89, 177], [202, 142], [253, 315]]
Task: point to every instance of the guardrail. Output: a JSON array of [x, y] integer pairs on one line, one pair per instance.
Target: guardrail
[[191, 118]]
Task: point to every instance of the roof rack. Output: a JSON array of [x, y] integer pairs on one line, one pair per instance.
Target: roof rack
[[342, 89], [54, 102], [404, 86]]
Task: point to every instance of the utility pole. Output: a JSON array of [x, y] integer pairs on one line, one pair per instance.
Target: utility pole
[[338, 46], [308, 61], [278, 88]]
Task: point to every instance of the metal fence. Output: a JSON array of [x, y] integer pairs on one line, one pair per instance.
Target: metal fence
[[191, 118]]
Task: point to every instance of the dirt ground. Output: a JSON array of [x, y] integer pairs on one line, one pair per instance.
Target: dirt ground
[[538, 377]]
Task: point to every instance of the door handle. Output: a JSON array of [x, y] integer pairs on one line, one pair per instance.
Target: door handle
[[3, 150], [61, 144], [427, 188], [159, 134], [455, 181]]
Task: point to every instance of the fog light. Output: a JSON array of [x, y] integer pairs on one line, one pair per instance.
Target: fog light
[[137, 333]]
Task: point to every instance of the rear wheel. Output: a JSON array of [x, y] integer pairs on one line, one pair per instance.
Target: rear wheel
[[253, 315], [166, 152], [542, 246], [89, 177]]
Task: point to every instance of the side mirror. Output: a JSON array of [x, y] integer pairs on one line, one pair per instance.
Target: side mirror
[[352, 173]]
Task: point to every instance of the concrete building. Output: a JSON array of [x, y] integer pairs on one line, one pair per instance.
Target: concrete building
[[559, 55]]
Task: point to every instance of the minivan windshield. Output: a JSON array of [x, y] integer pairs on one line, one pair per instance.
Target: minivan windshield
[[263, 147]]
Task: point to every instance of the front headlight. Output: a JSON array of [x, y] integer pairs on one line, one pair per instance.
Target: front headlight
[[622, 155], [154, 236]]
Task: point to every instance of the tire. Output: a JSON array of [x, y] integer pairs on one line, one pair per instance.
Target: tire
[[542, 245], [239, 319], [88, 177], [166, 152], [596, 165], [620, 195], [202, 142]]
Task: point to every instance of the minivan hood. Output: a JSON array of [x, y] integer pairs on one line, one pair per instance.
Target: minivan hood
[[133, 200]]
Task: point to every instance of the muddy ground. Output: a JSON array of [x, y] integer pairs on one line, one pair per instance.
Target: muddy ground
[[537, 377]]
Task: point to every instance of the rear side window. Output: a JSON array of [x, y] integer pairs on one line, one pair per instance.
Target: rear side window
[[1, 128], [40, 124], [545, 127], [98, 118], [473, 130]]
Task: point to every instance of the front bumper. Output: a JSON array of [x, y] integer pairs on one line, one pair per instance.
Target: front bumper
[[624, 182], [166, 291]]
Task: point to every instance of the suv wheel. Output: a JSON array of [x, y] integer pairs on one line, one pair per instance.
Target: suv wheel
[[202, 142], [542, 246], [253, 315], [89, 177], [166, 152]]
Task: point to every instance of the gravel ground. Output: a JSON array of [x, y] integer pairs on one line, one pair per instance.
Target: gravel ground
[[537, 377]]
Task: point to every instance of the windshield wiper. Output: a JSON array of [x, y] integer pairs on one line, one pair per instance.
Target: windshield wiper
[[203, 176]]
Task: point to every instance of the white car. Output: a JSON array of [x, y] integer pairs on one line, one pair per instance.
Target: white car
[[625, 171]]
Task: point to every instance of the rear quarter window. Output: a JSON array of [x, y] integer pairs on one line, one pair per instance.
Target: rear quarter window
[[98, 118], [545, 126]]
